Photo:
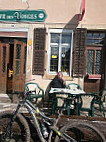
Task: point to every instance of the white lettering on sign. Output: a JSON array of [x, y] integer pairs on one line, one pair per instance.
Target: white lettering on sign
[[17, 15], [2, 16], [24, 15], [10, 17]]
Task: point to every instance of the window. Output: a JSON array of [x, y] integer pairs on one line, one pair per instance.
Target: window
[[60, 48], [18, 59], [94, 60], [95, 38], [94, 42]]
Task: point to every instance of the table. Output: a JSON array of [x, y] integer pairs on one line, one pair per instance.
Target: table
[[67, 96]]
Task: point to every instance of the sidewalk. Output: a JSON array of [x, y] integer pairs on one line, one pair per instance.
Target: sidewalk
[[6, 104]]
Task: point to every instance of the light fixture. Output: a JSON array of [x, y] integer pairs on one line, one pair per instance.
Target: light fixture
[[26, 3]]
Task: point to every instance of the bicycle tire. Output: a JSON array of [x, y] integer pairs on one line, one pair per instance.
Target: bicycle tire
[[77, 131], [20, 129]]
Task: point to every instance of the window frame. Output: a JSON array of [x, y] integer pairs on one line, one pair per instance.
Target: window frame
[[92, 38], [60, 31], [94, 58]]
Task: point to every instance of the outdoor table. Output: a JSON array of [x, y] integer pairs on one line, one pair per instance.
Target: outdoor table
[[65, 96]]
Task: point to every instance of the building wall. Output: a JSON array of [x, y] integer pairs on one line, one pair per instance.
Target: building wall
[[62, 11], [60, 14]]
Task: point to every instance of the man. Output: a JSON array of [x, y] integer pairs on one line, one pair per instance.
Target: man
[[58, 81]]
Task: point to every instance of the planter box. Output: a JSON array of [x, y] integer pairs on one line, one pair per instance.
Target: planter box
[[94, 76]]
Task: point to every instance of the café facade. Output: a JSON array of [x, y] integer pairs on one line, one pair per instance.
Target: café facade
[[40, 38]]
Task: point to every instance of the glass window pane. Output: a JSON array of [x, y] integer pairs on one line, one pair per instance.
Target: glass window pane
[[60, 44], [98, 62], [89, 42], [96, 35], [4, 59], [102, 35], [54, 59], [66, 39], [89, 35], [101, 41], [95, 41], [55, 38], [18, 51], [17, 68], [90, 56], [65, 59]]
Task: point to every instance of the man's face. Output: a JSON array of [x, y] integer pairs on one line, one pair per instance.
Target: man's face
[[59, 75]]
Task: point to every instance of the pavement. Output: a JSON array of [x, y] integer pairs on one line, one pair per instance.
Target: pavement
[[6, 104]]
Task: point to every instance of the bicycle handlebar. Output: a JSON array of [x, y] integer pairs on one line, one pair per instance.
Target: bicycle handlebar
[[23, 94]]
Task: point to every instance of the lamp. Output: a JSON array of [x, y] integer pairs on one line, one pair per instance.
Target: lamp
[[26, 3]]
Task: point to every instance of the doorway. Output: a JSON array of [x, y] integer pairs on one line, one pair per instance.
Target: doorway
[[13, 55]]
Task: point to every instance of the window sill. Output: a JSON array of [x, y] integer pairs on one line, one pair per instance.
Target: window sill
[[67, 78], [94, 76]]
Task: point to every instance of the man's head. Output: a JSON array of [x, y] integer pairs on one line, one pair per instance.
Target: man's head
[[59, 75]]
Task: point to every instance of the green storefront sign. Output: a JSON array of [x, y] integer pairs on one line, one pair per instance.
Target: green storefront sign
[[23, 15]]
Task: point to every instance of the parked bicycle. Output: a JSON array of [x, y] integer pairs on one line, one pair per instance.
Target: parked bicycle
[[14, 127]]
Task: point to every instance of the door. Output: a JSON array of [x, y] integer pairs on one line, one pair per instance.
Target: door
[[4, 59], [19, 65]]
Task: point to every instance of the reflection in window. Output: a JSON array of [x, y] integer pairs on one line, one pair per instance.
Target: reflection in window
[[66, 38], [95, 38], [89, 35], [55, 38], [95, 35]]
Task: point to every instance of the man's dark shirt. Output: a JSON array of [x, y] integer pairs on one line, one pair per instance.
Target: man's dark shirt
[[57, 83]]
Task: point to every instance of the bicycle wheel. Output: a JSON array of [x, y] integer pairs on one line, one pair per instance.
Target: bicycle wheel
[[81, 132], [20, 131]]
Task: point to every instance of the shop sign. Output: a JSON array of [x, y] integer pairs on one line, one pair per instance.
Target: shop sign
[[23, 15]]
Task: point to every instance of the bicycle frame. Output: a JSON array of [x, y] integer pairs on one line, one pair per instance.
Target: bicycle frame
[[33, 111]]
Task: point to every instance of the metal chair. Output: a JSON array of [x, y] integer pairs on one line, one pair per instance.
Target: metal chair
[[38, 92]]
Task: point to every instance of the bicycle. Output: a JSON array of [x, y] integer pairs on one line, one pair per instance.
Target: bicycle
[[15, 127]]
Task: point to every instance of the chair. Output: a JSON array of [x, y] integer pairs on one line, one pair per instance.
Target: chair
[[73, 86], [96, 99], [39, 93], [99, 99]]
